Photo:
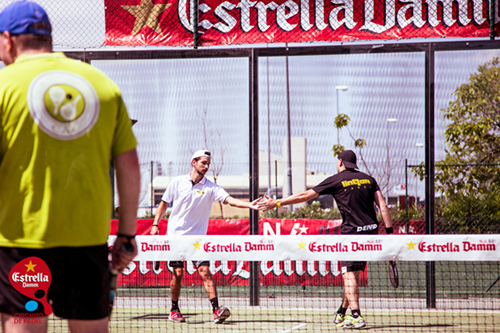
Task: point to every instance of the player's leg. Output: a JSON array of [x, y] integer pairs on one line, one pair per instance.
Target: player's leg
[[351, 272], [351, 289], [341, 311], [208, 281], [15, 324], [85, 326], [175, 290], [176, 283], [221, 313]]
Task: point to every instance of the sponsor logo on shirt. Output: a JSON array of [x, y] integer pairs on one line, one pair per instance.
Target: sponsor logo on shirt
[[357, 182], [64, 105], [369, 227]]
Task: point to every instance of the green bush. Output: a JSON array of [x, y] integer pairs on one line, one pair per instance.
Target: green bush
[[309, 211]]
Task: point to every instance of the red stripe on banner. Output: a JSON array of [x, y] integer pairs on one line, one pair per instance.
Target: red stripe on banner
[[221, 22], [303, 273]]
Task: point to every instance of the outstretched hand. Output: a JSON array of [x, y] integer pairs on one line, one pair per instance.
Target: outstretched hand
[[268, 204], [255, 204]]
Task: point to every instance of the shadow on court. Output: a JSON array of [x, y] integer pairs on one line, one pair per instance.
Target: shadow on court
[[230, 321], [407, 326]]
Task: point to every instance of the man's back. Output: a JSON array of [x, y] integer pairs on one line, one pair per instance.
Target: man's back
[[61, 123], [354, 193]]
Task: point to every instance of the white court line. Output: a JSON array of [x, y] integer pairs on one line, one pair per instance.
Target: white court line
[[294, 328]]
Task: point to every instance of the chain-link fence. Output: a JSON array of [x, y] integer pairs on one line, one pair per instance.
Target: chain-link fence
[[184, 104], [97, 23], [456, 212]]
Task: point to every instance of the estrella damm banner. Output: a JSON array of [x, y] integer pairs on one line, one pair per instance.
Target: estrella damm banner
[[224, 22]]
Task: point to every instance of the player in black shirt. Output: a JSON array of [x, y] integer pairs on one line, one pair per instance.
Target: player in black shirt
[[355, 194]]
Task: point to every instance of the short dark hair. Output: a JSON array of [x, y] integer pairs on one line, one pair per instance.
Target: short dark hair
[[34, 42]]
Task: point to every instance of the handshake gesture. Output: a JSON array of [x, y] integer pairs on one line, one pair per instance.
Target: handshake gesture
[[258, 204]]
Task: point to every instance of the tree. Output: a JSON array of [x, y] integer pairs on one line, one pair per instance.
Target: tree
[[468, 178], [342, 120], [212, 139]]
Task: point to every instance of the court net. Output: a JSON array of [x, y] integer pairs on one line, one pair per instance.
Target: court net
[[294, 283]]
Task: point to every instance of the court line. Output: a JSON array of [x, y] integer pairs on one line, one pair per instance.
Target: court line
[[294, 328]]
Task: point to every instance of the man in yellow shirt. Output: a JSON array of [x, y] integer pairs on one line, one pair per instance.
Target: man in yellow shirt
[[61, 124]]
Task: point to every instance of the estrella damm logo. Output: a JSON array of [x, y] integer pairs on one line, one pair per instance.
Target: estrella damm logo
[[31, 277]]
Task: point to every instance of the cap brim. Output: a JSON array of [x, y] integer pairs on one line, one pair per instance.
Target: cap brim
[[350, 165]]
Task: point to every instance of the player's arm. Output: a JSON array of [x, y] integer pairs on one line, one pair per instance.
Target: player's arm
[[242, 204], [128, 181], [293, 199], [384, 210], [160, 212]]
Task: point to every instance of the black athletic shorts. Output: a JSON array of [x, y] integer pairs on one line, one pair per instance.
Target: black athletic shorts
[[352, 266], [80, 286], [180, 264]]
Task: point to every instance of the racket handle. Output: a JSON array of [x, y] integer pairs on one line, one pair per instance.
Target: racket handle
[[127, 247], [112, 286]]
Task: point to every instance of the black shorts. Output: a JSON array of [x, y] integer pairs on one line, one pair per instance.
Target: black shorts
[[180, 264], [352, 266], [80, 286]]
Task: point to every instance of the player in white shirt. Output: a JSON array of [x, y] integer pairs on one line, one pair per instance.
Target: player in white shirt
[[193, 196]]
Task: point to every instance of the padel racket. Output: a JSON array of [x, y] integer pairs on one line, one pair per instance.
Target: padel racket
[[492, 284], [127, 247], [393, 274]]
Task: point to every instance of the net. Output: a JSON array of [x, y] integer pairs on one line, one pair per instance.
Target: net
[[442, 283]]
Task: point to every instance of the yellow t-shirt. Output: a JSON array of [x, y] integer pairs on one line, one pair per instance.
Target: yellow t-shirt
[[61, 122]]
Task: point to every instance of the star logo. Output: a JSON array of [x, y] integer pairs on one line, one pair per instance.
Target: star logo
[[302, 245], [411, 245], [31, 267], [197, 245], [303, 229], [146, 14]]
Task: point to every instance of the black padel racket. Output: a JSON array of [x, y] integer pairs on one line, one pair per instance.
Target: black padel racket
[[393, 274]]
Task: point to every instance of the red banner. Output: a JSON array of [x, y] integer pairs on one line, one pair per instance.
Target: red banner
[[236, 272], [221, 22]]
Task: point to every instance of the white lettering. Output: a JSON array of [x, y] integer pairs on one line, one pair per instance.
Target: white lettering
[[348, 19], [284, 12], [229, 21], [262, 18]]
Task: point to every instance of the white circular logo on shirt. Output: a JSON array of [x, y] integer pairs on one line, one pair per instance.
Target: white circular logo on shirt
[[64, 105]]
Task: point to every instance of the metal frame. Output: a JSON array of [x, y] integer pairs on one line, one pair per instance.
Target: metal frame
[[253, 55]]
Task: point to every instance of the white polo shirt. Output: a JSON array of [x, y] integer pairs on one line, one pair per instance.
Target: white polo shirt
[[191, 205]]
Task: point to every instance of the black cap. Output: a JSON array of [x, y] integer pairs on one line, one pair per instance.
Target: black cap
[[348, 159]]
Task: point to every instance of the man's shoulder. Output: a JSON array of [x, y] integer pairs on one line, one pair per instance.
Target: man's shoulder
[[352, 173], [209, 183]]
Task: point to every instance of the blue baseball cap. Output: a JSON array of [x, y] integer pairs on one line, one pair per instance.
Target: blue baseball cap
[[20, 18]]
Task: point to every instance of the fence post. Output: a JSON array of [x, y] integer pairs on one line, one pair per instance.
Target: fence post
[[276, 180], [152, 191], [430, 266], [406, 195], [254, 169], [492, 19], [194, 19]]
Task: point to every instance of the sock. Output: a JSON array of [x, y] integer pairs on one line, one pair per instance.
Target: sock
[[175, 305], [356, 313], [215, 303], [342, 310]]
